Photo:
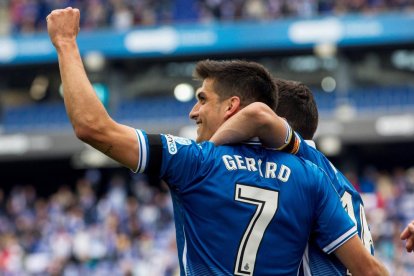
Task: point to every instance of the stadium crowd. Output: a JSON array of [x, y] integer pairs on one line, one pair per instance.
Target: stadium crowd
[[127, 228], [389, 206], [28, 16]]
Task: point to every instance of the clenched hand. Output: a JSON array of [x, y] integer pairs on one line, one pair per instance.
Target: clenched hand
[[63, 26]]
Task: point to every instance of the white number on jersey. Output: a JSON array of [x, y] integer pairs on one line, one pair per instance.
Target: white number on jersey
[[365, 234], [267, 203]]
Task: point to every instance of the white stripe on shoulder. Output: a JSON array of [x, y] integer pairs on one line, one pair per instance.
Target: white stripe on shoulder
[[339, 241], [142, 159]]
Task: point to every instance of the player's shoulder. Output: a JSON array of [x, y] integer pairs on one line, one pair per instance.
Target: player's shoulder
[[308, 148], [309, 151], [314, 174], [306, 175], [246, 148], [311, 166], [298, 160], [181, 146], [177, 139], [303, 165], [347, 185]]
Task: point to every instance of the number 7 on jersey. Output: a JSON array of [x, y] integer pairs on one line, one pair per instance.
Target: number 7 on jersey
[[267, 203]]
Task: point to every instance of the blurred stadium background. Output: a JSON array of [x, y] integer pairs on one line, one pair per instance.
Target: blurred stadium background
[[67, 210]]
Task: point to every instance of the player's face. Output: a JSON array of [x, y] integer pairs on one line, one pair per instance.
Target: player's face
[[208, 112]]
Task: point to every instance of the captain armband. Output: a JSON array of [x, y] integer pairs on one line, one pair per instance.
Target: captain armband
[[291, 143]]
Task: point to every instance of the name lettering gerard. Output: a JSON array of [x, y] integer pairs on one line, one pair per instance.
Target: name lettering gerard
[[270, 169]]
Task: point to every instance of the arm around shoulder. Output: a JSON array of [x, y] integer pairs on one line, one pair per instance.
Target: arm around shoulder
[[255, 120]]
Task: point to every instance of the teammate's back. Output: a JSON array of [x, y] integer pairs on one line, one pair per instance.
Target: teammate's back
[[317, 262], [243, 209]]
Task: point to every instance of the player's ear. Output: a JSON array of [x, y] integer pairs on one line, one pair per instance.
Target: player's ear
[[233, 106]]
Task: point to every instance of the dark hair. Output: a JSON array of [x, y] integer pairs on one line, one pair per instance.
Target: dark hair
[[298, 106], [250, 81]]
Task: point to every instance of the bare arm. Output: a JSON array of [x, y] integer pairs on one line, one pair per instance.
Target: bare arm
[[357, 259], [255, 120], [87, 115], [408, 235]]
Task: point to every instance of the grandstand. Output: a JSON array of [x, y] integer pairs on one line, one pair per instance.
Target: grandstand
[[56, 193]]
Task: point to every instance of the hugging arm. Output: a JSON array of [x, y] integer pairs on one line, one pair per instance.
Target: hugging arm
[[255, 120]]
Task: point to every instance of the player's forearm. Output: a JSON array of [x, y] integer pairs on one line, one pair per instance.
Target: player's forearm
[[273, 129], [83, 107], [255, 120], [236, 129]]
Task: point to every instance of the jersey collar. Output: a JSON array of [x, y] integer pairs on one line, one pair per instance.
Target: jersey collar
[[311, 143]]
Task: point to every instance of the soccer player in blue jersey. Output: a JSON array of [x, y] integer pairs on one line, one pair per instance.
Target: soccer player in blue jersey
[[298, 107], [239, 210]]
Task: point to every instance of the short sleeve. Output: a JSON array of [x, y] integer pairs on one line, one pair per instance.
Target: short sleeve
[[334, 226], [176, 160]]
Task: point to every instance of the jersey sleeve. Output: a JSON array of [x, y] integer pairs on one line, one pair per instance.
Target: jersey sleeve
[[334, 227], [310, 153], [176, 160]]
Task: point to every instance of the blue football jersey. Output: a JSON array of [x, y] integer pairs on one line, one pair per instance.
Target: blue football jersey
[[315, 261], [244, 209]]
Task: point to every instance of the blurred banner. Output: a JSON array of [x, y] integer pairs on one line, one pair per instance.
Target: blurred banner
[[197, 39]]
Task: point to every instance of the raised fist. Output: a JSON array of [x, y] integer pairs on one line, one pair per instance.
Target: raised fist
[[63, 25]]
